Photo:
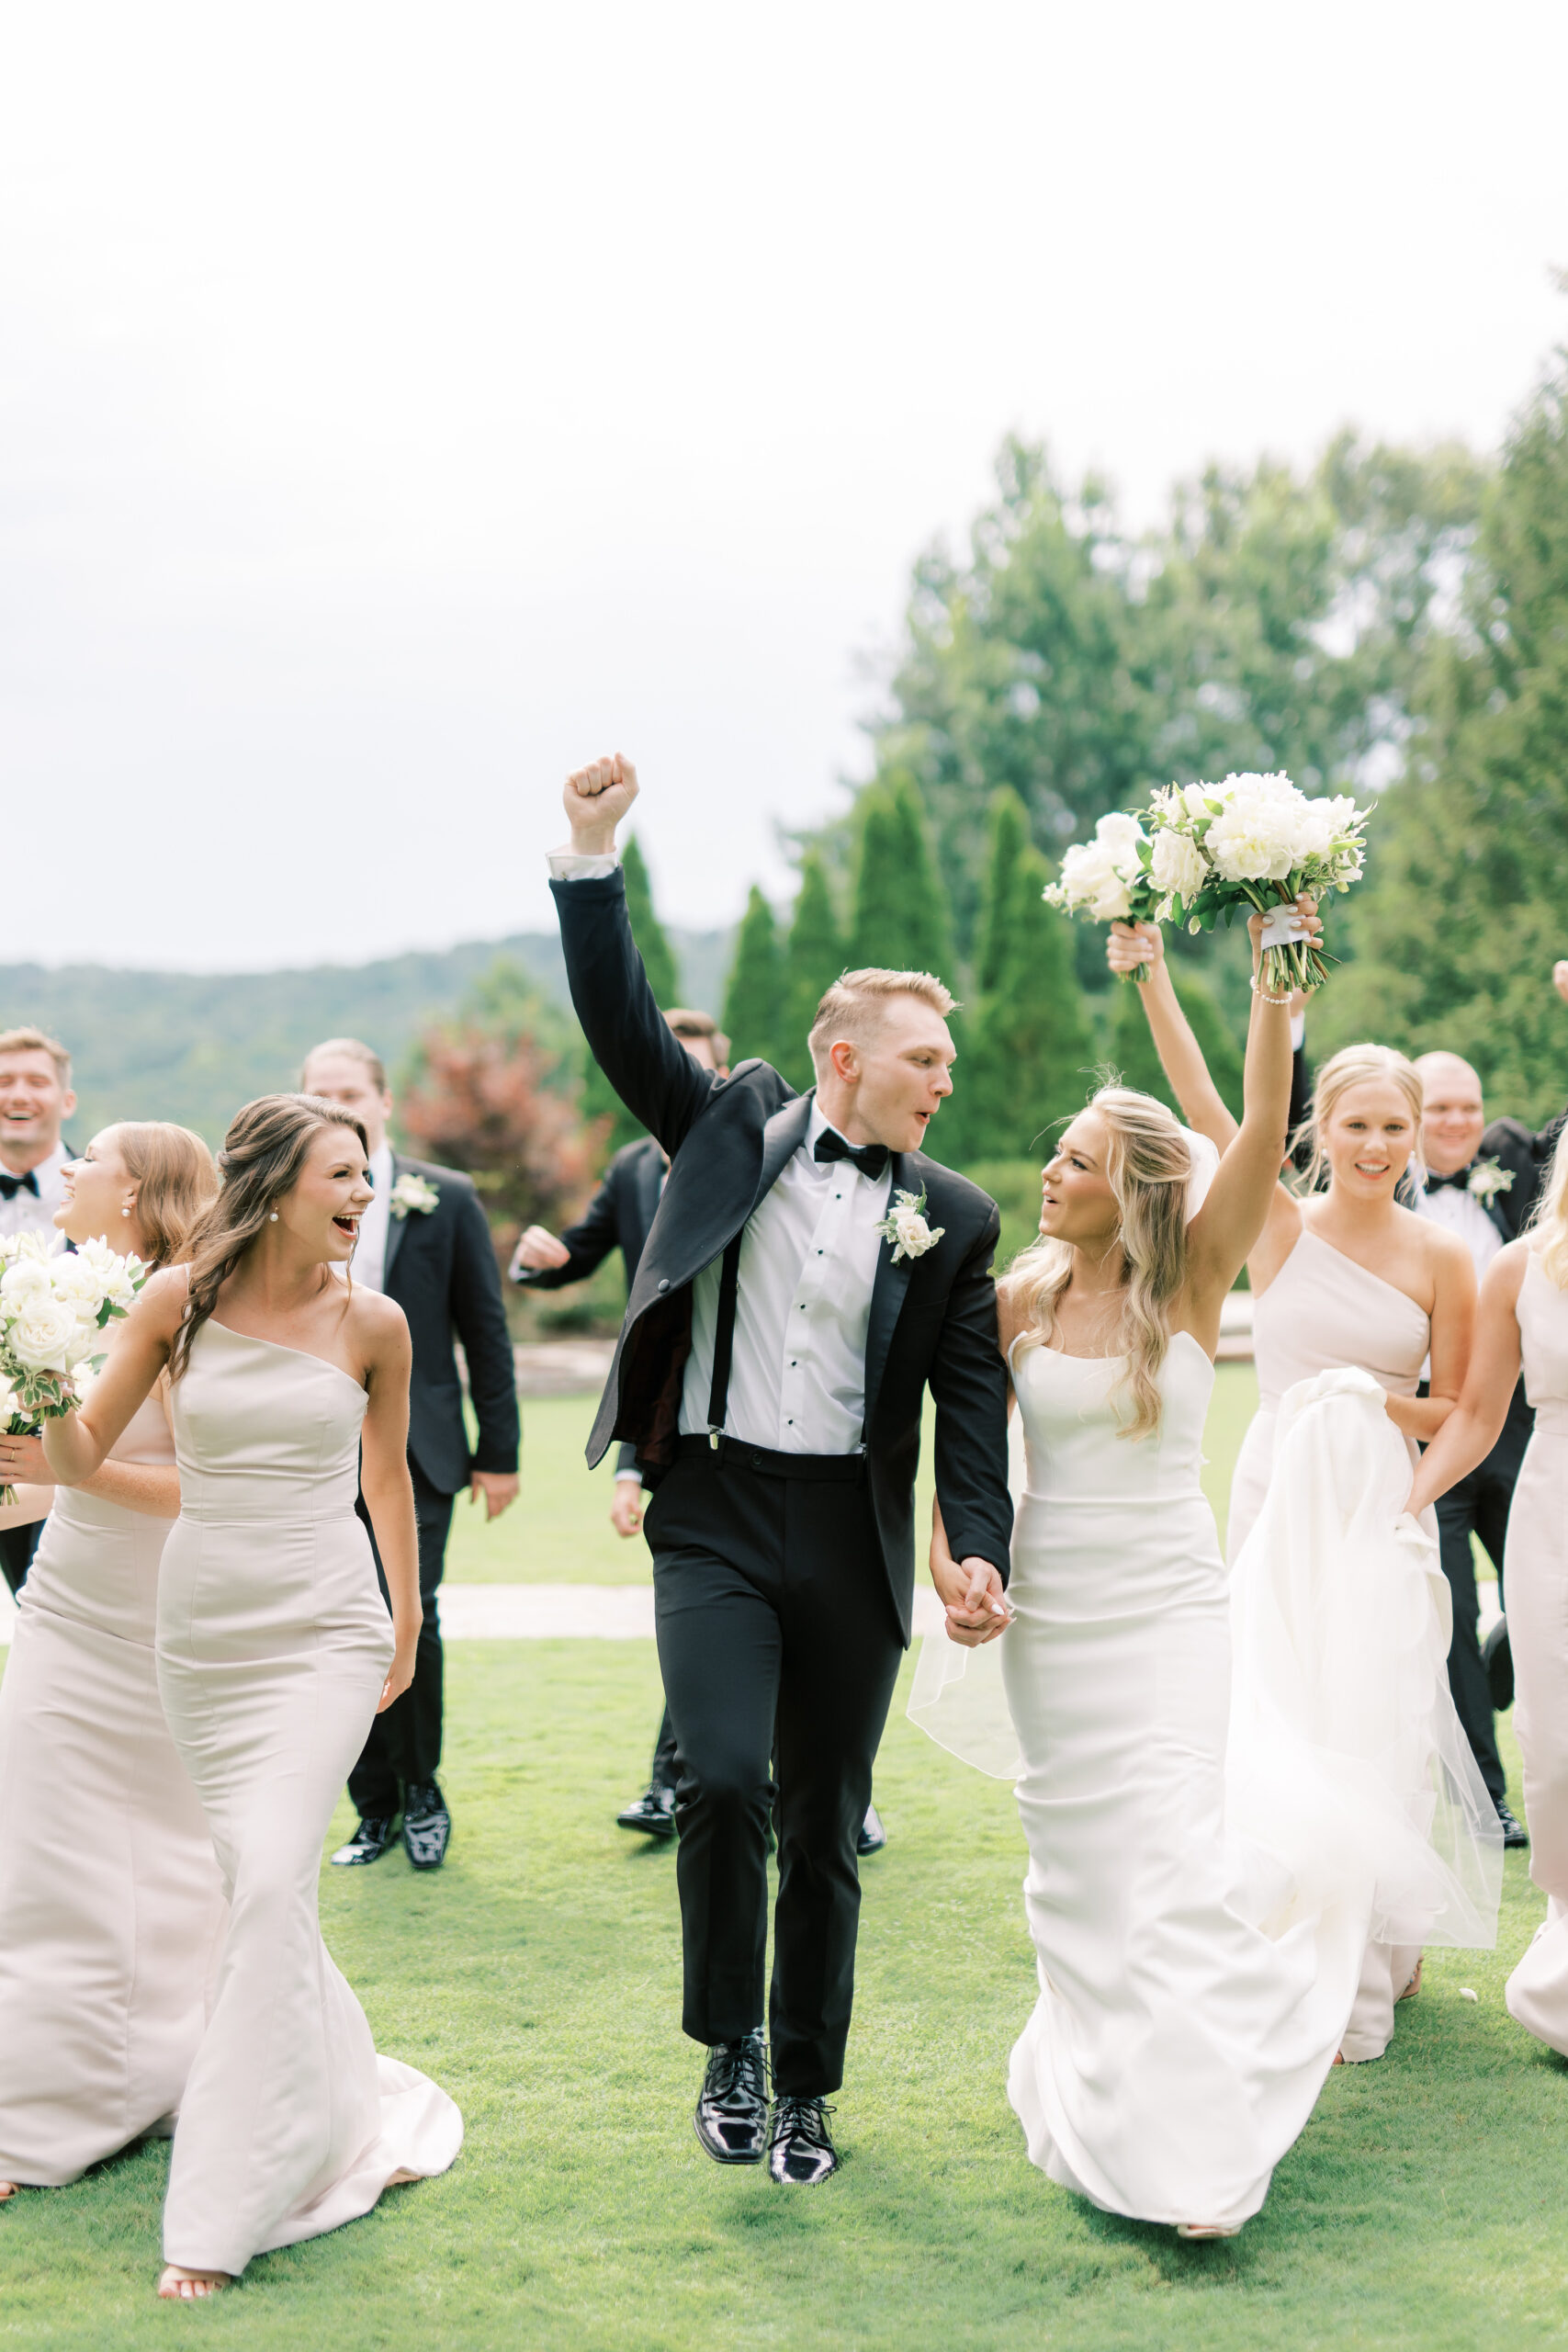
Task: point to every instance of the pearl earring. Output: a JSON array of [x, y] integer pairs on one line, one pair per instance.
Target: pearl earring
[[274, 1217], [124, 1212]]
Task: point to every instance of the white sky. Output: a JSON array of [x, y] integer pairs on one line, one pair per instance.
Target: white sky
[[399, 404]]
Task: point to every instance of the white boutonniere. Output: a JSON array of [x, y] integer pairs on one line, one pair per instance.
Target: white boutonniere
[[1486, 1179], [905, 1225], [412, 1191]]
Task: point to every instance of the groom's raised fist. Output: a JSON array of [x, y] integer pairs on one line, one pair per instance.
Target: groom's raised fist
[[596, 798]]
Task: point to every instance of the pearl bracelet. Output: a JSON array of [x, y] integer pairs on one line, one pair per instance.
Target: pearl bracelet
[[1265, 995]]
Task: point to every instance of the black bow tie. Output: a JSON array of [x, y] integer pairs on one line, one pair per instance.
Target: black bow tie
[[871, 1159], [11, 1185], [1459, 1179]]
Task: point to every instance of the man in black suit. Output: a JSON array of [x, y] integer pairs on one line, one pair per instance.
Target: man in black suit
[[425, 1242], [809, 1272], [620, 1216], [36, 1096]]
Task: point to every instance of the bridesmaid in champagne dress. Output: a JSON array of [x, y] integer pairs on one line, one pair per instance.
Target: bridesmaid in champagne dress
[[1524, 1323], [111, 1906], [274, 1652], [1344, 1279]]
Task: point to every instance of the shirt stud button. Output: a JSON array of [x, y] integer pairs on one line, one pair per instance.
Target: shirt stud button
[[664, 1282]]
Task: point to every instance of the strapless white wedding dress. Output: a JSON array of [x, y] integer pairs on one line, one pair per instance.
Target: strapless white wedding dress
[[1176, 2048]]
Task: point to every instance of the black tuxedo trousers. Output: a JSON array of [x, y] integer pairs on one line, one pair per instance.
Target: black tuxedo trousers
[[777, 1639], [404, 1743]]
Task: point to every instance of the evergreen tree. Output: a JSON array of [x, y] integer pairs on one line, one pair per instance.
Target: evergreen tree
[[813, 961], [1133, 1049], [753, 999], [599, 1098], [1027, 1047], [901, 918]]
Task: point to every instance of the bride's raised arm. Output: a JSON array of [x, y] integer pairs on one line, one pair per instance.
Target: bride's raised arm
[[1247, 1195], [1275, 1235]]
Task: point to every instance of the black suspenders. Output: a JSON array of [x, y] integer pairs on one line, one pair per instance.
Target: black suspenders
[[724, 1338]]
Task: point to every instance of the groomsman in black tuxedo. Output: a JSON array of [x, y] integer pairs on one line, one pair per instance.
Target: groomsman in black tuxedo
[[36, 1098], [620, 1216], [424, 1241], [1481, 1182], [790, 1310]]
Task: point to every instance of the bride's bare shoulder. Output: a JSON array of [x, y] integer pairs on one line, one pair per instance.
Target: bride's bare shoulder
[[377, 1324]]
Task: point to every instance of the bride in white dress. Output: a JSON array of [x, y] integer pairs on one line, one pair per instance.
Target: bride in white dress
[[274, 1652], [1177, 2046]]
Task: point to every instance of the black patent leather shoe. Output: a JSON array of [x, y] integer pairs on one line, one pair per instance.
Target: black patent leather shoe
[[653, 1813], [427, 1825], [369, 1841], [732, 2112], [800, 2146], [1514, 1830], [872, 1836]]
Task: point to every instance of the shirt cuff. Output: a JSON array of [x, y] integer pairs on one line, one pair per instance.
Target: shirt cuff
[[567, 865], [631, 1478], [1297, 1031]]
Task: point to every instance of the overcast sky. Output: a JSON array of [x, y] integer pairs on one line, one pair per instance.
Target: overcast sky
[[398, 405]]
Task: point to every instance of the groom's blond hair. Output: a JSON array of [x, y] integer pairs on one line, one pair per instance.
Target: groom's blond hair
[[854, 1008]]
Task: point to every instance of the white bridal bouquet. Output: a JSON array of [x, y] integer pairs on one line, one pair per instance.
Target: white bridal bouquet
[[1254, 841], [1110, 878], [54, 1307]]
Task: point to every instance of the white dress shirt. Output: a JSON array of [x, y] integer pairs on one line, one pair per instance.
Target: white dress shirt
[[1462, 1214], [22, 1214], [808, 1263], [370, 1257]]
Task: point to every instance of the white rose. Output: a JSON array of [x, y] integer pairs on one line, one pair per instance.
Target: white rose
[[1178, 864], [44, 1337], [78, 1280], [909, 1228], [1256, 835], [24, 1283]]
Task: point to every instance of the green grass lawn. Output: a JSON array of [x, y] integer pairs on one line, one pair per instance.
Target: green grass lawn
[[539, 1978]]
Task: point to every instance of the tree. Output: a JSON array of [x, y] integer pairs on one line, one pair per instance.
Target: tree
[[1029, 1048], [1463, 910], [901, 918], [1133, 1049], [486, 1094], [753, 998], [813, 961], [599, 1100]]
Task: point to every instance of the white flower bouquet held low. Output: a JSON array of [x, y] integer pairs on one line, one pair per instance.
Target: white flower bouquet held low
[[1254, 842], [54, 1309], [1110, 878]]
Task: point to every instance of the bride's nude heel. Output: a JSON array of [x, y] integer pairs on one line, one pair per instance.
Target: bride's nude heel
[[1415, 1985], [178, 2285], [1200, 2230], [7, 2189]]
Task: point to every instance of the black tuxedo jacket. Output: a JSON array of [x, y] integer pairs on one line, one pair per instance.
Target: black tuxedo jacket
[[1526, 1155], [933, 1319], [441, 1269], [619, 1217]]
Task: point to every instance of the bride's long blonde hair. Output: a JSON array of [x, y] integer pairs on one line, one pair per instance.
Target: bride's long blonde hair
[[1148, 1162], [1548, 1226]]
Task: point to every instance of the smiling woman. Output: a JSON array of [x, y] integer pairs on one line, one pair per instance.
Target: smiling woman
[[288, 1396]]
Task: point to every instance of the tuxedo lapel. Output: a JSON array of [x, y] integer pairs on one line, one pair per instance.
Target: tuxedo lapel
[[887, 1294], [650, 1187], [783, 1134], [394, 1230]]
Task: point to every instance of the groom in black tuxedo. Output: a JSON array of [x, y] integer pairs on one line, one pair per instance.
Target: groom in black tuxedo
[[770, 1371]]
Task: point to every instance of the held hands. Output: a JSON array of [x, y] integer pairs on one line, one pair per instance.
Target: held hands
[[1128, 944], [971, 1591], [595, 799], [537, 1252]]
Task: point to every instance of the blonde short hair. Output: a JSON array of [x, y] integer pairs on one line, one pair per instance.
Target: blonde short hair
[[854, 1006], [351, 1049], [38, 1041]]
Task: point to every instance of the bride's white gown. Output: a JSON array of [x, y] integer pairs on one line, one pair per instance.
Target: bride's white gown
[[1176, 2048]]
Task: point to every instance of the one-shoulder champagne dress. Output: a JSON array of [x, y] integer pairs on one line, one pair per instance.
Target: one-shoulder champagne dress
[[111, 1903], [272, 1644], [1536, 1570]]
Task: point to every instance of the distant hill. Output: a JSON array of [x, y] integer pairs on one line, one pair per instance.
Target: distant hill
[[193, 1047]]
